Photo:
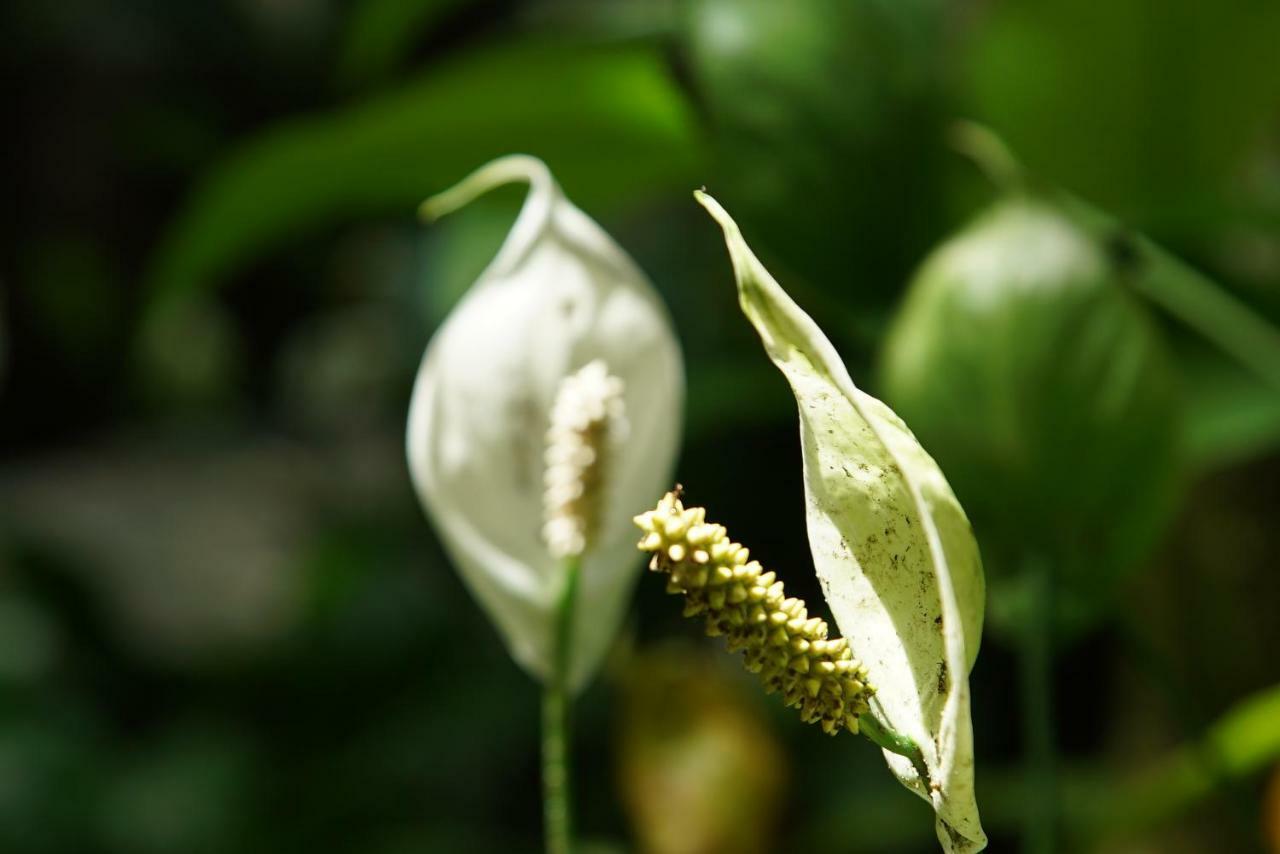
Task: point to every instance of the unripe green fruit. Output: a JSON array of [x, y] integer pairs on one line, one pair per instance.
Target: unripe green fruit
[[1040, 383]]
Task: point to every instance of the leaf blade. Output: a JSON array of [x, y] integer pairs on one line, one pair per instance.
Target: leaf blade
[[890, 544], [385, 154]]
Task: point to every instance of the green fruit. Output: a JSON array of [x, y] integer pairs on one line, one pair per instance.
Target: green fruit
[[1042, 386], [825, 122]]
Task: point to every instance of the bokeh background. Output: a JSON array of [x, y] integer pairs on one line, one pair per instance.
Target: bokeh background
[[225, 624]]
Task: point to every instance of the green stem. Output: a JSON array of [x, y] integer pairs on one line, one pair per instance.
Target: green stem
[[1040, 828], [1188, 295], [1205, 307], [895, 742], [1176, 287], [1102, 804], [556, 793], [989, 153]]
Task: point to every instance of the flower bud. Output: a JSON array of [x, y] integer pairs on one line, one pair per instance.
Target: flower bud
[[491, 391], [1040, 383]]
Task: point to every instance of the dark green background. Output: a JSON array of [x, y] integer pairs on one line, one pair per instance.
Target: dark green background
[[225, 624]]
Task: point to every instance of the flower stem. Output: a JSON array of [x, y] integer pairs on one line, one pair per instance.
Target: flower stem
[[1189, 296], [989, 153], [1040, 829], [556, 794], [1218, 316], [895, 742], [1197, 301]]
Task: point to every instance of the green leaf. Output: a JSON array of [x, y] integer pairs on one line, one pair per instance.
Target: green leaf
[[894, 552], [1145, 106], [1243, 742], [1231, 416], [584, 110]]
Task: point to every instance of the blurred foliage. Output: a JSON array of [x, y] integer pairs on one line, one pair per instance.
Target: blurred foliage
[[1025, 363], [585, 110], [1148, 107], [1234, 416], [700, 771], [1271, 812], [224, 624]]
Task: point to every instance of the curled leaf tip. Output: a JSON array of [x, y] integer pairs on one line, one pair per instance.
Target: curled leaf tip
[[504, 170]]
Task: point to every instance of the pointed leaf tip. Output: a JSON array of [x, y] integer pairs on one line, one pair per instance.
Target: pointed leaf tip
[[717, 211], [720, 215]]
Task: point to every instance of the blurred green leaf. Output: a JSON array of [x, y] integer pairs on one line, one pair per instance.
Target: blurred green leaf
[[1137, 104], [609, 122], [1231, 415], [1243, 742], [1247, 739], [380, 35]]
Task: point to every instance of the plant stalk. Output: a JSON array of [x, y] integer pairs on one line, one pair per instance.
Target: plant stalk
[[895, 742], [1197, 301], [556, 789], [1218, 316], [1041, 820], [1186, 294], [989, 153]]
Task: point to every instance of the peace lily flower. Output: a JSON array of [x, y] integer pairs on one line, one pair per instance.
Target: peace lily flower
[[546, 414]]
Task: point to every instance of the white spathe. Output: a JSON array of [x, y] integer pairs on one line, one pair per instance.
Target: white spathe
[[559, 294]]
